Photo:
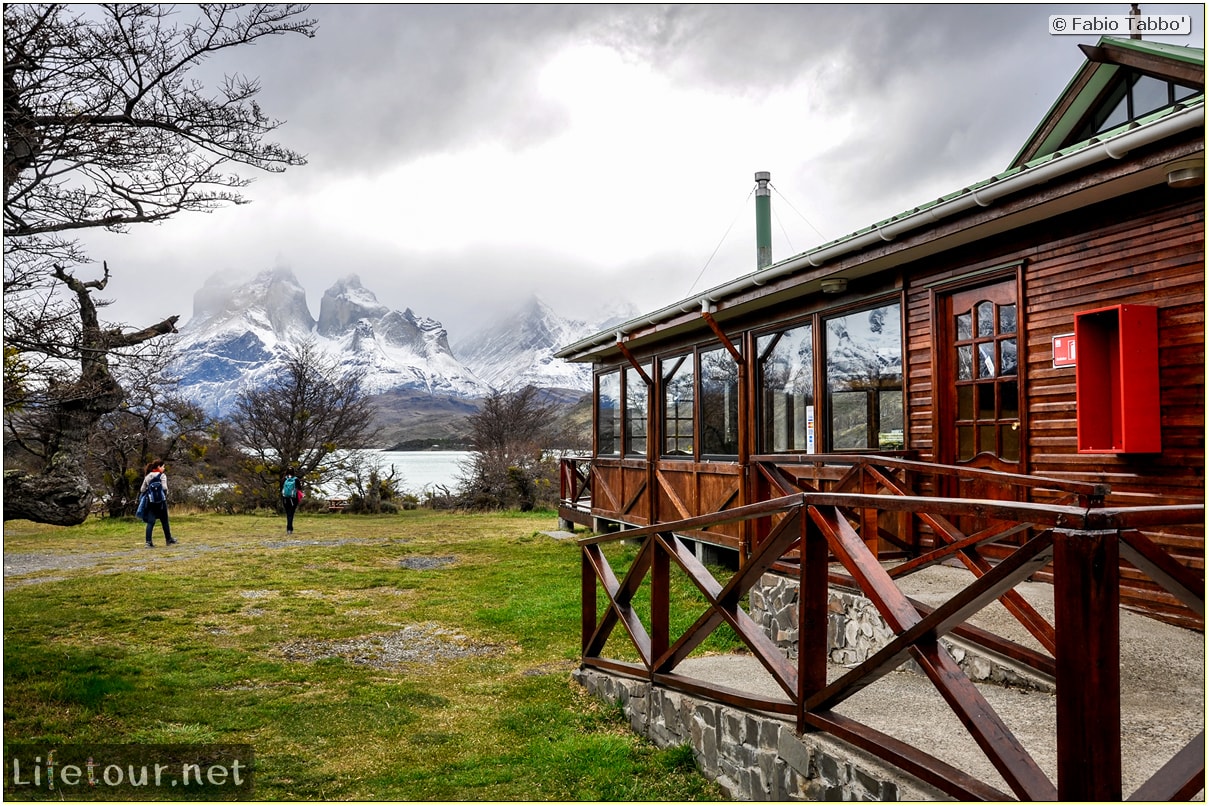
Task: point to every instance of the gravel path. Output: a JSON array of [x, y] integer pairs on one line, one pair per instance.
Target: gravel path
[[19, 564]]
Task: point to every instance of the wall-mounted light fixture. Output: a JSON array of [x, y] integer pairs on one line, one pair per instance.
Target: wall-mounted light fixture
[[1186, 174], [834, 285]]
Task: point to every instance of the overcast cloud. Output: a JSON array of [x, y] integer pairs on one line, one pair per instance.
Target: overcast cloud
[[463, 157]]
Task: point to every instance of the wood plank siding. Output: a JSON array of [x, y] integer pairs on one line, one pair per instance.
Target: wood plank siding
[[1150, 252], [1100, 225], [1142, 248]]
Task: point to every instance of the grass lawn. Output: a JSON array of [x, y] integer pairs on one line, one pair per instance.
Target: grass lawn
[[420, 656]]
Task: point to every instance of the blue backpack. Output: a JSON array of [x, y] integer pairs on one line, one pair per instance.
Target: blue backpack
[[155, 490], [290, 488]]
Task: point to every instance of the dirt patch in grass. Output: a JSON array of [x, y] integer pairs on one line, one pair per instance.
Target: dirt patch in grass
[[415, 643], [426, 563]]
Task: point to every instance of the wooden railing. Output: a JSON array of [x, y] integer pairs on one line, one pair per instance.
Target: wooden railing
[[1079, 542], [575, 489]]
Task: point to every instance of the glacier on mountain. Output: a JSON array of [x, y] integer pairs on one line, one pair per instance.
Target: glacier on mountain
[[241, 331]]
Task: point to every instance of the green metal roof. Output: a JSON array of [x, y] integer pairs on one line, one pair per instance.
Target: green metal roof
[[1088, 95], [1167, 50], [1087, 90]]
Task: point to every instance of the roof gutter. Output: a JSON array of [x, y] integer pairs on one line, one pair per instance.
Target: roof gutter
[[1114, 148]]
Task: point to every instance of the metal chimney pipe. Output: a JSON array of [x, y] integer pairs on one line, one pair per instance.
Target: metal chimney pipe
[[763, 221]]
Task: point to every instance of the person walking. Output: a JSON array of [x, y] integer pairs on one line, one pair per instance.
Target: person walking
[[291, 494], [155, 504]]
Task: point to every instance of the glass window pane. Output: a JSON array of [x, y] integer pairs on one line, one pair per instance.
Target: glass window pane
[[719, 403], [1149, 94], [637, 409], [1183, 93], [678, 408], [1115, 116], [986, 401], [787, 390], [890, 435], [849, 420], [608, 414], [965, 402], [965, 330], [984, 316], [986, 439], [965, 442], [1007, 319], [1009, 400], [1009, 443], [965, 363], [864, 362], [986, 359], [1007, 357]]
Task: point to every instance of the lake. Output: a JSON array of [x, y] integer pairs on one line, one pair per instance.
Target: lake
[[424, 469]]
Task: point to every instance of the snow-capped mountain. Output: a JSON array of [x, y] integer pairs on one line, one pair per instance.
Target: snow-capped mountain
[[396, 350], [239, 333], [241, 330], [518, 350]]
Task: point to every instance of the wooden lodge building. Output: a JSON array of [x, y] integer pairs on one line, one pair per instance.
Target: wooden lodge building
[[1048, 322]]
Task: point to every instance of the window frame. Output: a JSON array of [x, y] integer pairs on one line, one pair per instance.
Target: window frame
[[760, 420], [817, 320], [873, 395], [630, 376], [1094, 122], [617, 447], [699, 351], [677, 364]]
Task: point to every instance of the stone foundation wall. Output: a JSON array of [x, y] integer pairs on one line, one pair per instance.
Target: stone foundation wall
[[754, 756], [855, 631]]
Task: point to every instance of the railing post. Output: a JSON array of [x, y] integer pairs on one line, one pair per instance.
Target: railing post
[[660, 599], [587, 598], [1087, 630], [812, 613]]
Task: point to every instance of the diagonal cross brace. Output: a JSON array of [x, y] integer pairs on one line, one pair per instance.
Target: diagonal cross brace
[[1018, 567], [1018, 768], [620, 595], [724, 602]]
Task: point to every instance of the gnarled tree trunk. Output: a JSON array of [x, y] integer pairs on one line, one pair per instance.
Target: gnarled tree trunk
[[60, 493]]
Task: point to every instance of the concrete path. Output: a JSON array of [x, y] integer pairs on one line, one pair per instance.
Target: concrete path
[[1162, 678]]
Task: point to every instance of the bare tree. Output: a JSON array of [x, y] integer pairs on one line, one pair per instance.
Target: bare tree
[[304, 418], [369, 486], [60, 493], [153, 421], [103, 128], [510, 464]]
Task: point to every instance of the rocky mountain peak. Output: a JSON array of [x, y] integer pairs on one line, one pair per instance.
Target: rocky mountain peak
[[240, 332], [272, 299], [346, 303]]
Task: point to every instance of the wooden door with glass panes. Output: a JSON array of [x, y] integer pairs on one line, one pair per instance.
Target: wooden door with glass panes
[[980, 422]]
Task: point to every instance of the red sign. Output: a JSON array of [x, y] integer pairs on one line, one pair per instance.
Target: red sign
[[1064, 350]]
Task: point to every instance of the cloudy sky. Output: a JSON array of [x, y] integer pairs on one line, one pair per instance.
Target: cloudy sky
[[462, 157]]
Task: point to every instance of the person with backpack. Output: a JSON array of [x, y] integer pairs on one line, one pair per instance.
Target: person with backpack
[[291, 494], [154, 492]]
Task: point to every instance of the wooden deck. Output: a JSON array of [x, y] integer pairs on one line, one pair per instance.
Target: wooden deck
[[1075, 542]]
